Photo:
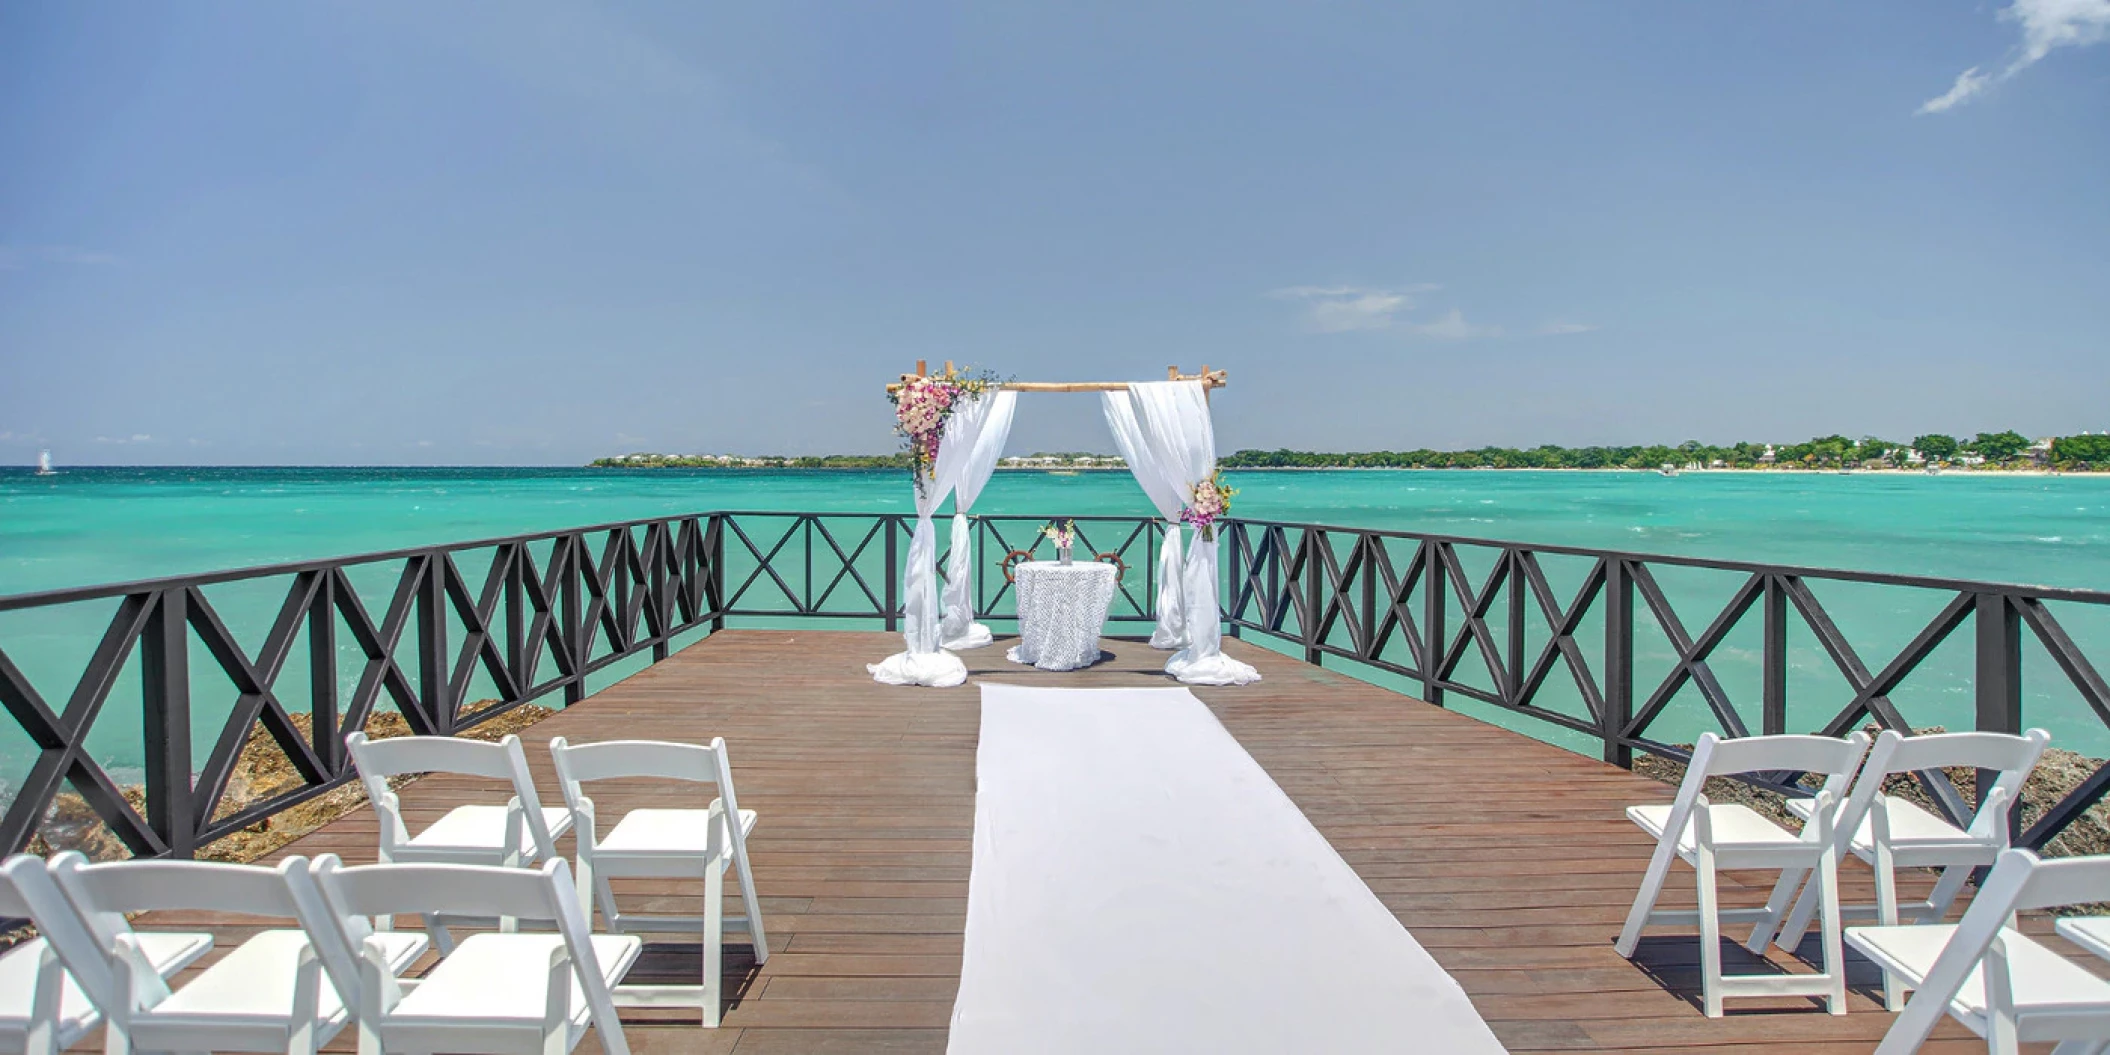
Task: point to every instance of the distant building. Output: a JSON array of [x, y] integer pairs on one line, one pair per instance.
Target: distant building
[[1914, 457], [2040, 450], [1769, 457]]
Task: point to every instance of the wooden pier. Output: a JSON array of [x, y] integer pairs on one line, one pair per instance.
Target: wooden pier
[[1509, 859]]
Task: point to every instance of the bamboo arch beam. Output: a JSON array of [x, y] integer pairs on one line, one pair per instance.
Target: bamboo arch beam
[[1210, 379]]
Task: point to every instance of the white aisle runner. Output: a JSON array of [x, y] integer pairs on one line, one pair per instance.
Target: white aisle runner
[[1141, 885]]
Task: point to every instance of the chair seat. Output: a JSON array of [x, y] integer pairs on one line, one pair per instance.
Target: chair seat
[[2041, 979], [1734, 826], [256, 980], [484, 828], [1910, 826], [664, 833], [504, 977], [168, 952]]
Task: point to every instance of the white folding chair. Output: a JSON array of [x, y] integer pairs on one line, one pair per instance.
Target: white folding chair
[[271, 993], [54, 987], [665, 843], [534, 994], [521, 832], [1996, 981], [1891, 833], [1712, 837]]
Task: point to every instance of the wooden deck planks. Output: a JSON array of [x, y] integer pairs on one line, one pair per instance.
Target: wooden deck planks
[[1509, 859]]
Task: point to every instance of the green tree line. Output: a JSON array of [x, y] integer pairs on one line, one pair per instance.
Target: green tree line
[[2000, 449]]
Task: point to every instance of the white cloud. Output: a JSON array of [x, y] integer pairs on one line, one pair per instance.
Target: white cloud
[[1968, 83], [1453, 327], [21, 257], [1351, 309], [2047, 25], [137, 437], [1345, 309]]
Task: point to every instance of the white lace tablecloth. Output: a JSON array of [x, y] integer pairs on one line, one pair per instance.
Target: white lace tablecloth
[[1061, 609]]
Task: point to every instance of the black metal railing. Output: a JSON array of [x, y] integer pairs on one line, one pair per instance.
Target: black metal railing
[[846, 565], [1483, 620], [446, 636], [1588, 645], [545, 612]]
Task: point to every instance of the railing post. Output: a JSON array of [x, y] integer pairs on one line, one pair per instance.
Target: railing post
[[619, 587], [434, 687], [1314, 585], [1516, 583], [893, 571], [1773, 656], [977, 583], [1999, 676], [1236, 594], [1368, 619], [1435, 582], [322, 675], [515, 601], [569, 613], [659, 539], [806, 528], [164, 678], [1618, 662], [714, 585]]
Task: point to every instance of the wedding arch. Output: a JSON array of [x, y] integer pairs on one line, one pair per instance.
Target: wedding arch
[[956, 426]]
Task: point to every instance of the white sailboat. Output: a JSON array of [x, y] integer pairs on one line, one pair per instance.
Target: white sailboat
[[44, 464]]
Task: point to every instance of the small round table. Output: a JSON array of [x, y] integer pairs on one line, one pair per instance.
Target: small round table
[[1061, 609]]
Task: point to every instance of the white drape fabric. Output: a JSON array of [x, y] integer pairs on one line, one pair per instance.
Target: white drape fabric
[[1174, 416], [981, 441], [1158, 472], [925, 662], [1141, 885]]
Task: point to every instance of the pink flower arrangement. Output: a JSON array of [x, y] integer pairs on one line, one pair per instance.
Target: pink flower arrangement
[[1207, 502], [921, 407]]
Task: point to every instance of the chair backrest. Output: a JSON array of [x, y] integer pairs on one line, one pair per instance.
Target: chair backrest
[[1714, 756], [28, 890], [446, 889], [2013, 756], [2018, 882], [106, 894], [579, 764], [119, 888], [541, 893], [377, 760], [1834, 757]]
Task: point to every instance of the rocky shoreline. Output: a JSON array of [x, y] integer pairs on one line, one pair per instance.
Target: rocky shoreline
[[261, 772]]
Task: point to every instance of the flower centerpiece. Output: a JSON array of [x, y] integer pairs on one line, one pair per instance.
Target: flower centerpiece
[[1207, 502], [1064, 534], [921, 407]]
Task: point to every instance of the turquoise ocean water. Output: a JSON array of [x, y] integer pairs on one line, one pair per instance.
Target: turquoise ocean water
[[89, 526]]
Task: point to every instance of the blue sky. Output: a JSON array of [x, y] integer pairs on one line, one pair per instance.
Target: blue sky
[[537, 232]]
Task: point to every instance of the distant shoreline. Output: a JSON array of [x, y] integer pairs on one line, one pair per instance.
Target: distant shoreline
[[1953, 471]]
